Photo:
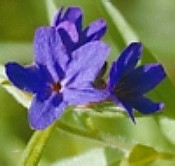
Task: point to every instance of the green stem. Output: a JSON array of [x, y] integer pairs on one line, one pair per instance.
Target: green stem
[[36, 146]]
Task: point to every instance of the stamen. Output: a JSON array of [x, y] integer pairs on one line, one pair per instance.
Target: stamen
[[56, 87]]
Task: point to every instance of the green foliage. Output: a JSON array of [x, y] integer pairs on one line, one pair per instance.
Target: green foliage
[[143, 155], [98, 134], [15, 51]]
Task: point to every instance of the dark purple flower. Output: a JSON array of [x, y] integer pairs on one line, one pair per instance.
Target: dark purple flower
[[55, 81], [69, 25], [128, 83]]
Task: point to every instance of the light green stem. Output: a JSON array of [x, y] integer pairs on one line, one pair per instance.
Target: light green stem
[[36, 146]]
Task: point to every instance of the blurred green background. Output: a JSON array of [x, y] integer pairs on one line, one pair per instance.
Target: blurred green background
[[154, 23]]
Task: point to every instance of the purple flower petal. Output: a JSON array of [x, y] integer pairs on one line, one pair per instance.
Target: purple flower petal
[[30, 79], [72, 14], [145, 105], [84, 96], [95, 30], [67, 40], [87, 62], [143, 79], [66, 64], [50, 52], [44, 113]]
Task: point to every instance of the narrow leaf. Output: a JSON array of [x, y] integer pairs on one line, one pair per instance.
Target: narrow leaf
[[123, 27], [144, 155]]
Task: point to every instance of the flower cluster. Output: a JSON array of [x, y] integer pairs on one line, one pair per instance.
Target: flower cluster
[[127, 83], [69, 58]]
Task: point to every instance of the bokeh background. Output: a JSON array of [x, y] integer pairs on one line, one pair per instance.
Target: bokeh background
[[153, 22]]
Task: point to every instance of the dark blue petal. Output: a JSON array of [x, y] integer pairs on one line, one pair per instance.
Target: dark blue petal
[[125, 63], [30, 78], [50, 52], [129, 57], [115, 75], [67, 41], [84, 96], [57, 17], [143, 79], [123, 104], [145, 105], [95, 30], [44, 113], [86, 63]]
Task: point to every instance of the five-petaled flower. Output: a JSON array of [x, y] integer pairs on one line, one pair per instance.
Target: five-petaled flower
[[69, 25], [127, 83], [68, 62], [56, 79]]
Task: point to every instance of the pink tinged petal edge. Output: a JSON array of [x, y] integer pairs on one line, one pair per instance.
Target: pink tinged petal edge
[[71, 30], [73, 14]]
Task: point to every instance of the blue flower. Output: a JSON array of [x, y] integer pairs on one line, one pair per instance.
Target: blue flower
[[128, 83], [55, 80], [69, 25]]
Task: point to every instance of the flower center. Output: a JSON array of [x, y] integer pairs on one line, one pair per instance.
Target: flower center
[[56, 87], [120, 88]]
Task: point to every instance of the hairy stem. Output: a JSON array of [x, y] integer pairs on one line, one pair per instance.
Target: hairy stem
[[35, 147]]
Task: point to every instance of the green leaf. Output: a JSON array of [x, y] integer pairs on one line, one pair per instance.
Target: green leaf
[[120, 23], [114, 129], [51, 10], [21, 52], [53, 5], [21, 97], [167, 126], [36, 145], [2, 74], [144, 155], [24, 19], [93, 157], [163, 162]]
